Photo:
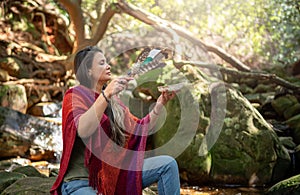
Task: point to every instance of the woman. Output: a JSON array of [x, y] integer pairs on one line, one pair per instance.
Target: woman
[[103, 143]]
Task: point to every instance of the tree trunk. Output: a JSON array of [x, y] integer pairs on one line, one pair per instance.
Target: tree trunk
[[77, 18], [75, 12]]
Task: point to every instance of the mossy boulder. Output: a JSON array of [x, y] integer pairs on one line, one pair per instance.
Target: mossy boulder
[[11, 181], [241, 147], [292, 111], [283, 104], [29, 171], [248, 151], [7, 178], [30, 186]]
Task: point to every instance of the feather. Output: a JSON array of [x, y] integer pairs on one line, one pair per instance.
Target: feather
[[149, 59]]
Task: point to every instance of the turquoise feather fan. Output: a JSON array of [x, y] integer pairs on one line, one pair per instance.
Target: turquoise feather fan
[[149, 59]]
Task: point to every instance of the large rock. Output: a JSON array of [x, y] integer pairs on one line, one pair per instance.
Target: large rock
[[286, 106], [233, 143], [45, 109], [27, 136], [30, 185], [6, 179], [247, 151]]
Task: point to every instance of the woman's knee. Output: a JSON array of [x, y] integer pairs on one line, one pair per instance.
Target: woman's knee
[[168, 159], [171, 163], [174, 164]]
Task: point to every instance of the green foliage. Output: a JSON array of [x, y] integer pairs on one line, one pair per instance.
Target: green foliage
[[258, 32], [266, 30], [284, 28], [61, 9]]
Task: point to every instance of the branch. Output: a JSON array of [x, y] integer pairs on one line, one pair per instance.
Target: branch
[[74, 9], [271, 78], [103, 24], [164, 25]]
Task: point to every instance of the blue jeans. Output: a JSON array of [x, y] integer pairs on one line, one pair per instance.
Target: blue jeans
[[77, 187], [160, 169], [164, 171]]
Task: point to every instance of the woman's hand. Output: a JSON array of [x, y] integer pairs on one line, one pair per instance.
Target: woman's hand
[[162, 100], [165, 96], [117, 85]]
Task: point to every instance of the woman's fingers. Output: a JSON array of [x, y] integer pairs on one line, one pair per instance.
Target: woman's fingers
[[167, 95], [119, 84], [124, 80]]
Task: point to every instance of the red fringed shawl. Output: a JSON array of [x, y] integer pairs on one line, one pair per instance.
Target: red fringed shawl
[[113, 170]]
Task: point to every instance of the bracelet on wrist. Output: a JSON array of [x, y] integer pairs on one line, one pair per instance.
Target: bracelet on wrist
[[105, 97]]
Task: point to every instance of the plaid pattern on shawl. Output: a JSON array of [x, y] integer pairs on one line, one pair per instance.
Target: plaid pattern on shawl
[[113, 170]]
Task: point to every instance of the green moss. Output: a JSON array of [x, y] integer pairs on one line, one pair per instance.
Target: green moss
[[287, 186], [283, 103], [7, 178], [3, 91], [29, 171]]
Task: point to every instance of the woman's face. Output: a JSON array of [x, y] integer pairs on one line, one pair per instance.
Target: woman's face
[[100, 70]]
